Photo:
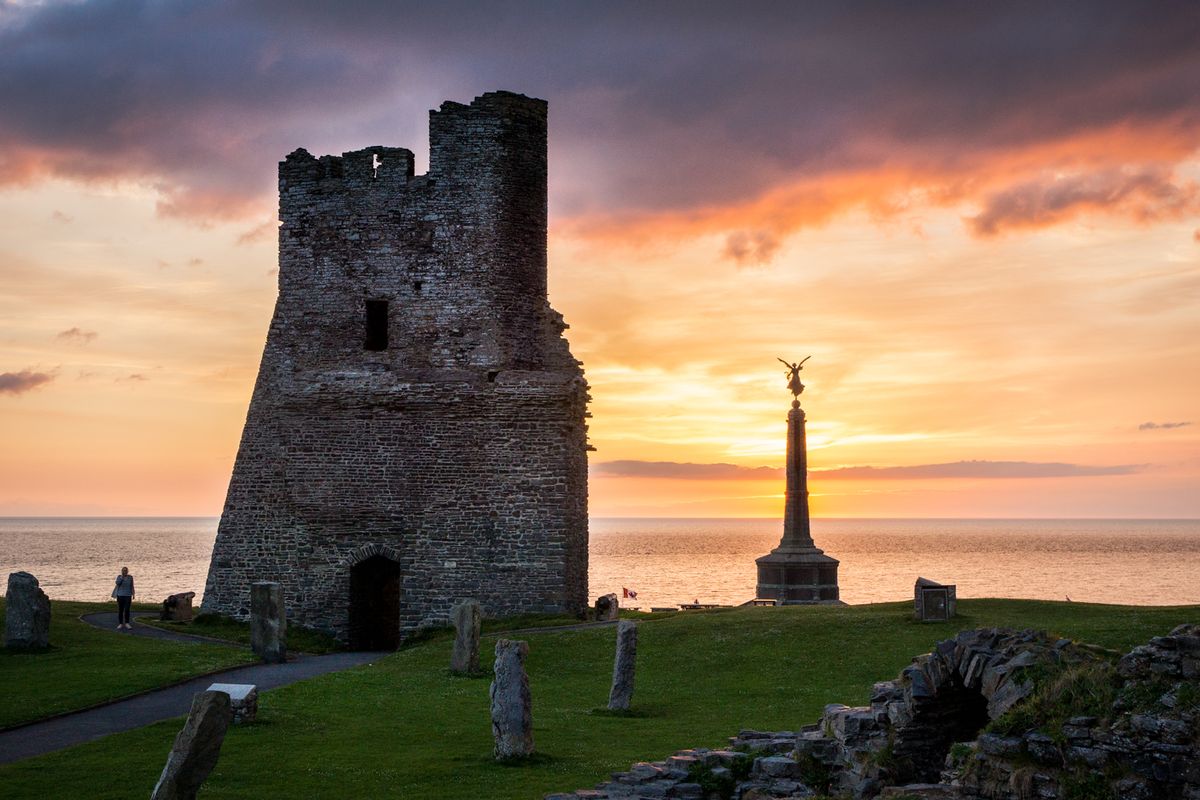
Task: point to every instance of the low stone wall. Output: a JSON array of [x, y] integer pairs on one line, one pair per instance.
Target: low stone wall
[[913, 741]]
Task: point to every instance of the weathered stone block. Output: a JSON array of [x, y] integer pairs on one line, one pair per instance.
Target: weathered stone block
[[607, 608], [177, 607], [196, 748], [467, 617], [268, 622], [243, 700], [512, 703], [624, 666], [776, 767], [27, 618]]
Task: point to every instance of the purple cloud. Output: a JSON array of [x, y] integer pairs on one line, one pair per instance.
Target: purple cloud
[[23, 381], [979, 469], [1144, 194], [77, 335], [682, 471], [1161, 426], [670, 106], [957, 469]]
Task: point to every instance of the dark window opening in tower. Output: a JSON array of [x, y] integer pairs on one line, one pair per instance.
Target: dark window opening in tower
[[377, 325]]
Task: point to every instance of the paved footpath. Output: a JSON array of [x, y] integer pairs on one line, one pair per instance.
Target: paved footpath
[[124, 715], [39, 738]]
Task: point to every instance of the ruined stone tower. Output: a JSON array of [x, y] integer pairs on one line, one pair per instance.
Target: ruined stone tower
[[416, 434]]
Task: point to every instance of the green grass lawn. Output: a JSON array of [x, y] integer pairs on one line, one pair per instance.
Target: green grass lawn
[[85, 666], [299, 640], [405, 727]]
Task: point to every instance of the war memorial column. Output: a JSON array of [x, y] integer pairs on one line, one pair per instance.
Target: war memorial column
[[797, 571]]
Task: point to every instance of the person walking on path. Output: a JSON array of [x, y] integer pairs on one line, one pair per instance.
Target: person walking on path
[[123, 591]]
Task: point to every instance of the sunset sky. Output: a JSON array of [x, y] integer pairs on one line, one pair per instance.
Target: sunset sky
[[981, 220]]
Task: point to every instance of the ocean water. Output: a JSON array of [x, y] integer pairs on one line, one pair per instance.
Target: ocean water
[[671, 561]]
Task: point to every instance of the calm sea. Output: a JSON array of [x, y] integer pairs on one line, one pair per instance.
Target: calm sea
[[669, 561]]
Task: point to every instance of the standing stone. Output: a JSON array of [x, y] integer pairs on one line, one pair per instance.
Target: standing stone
[[465, 658], [624, 666], [27, 621], [512, 705], [607, 608], [196, 748], [268, 622]]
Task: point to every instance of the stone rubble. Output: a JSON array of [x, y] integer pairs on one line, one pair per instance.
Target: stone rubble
[[914, 739], [27, 618]]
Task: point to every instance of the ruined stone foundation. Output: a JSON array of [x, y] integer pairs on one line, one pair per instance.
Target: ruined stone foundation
[[416, 435]]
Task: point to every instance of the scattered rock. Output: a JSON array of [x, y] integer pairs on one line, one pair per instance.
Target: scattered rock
[[196, 748], [512, 705], [467, 617], [624, 666], [607, 608], [27, 619], [268, 622]]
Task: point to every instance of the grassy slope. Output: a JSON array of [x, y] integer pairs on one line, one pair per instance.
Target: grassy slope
[[405, 728], [86, 666]]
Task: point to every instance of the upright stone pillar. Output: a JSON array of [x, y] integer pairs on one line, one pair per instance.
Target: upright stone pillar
[[797, 571], [268, 622], [512, 704], [467, 617], [196, 748], [624, 666], [27, 618]]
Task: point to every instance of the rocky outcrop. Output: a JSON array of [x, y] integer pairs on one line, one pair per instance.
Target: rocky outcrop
[[27, 615], [923, 734]]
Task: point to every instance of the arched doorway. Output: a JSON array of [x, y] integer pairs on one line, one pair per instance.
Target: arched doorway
[[375, 604]]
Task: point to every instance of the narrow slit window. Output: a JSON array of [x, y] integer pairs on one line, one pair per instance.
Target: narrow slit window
[[377, 325]]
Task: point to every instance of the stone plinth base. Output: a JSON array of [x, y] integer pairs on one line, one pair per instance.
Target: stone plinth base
[[797, 577], [243, 700]]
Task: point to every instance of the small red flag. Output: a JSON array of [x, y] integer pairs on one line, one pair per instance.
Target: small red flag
[[629, 593]]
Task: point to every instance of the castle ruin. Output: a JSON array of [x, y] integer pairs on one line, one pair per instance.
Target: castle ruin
[[416, 436]]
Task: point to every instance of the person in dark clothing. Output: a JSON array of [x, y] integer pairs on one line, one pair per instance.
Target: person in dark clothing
[[123, 591]]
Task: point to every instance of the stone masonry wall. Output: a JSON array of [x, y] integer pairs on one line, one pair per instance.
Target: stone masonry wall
[[913, 743], [460, 449]]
